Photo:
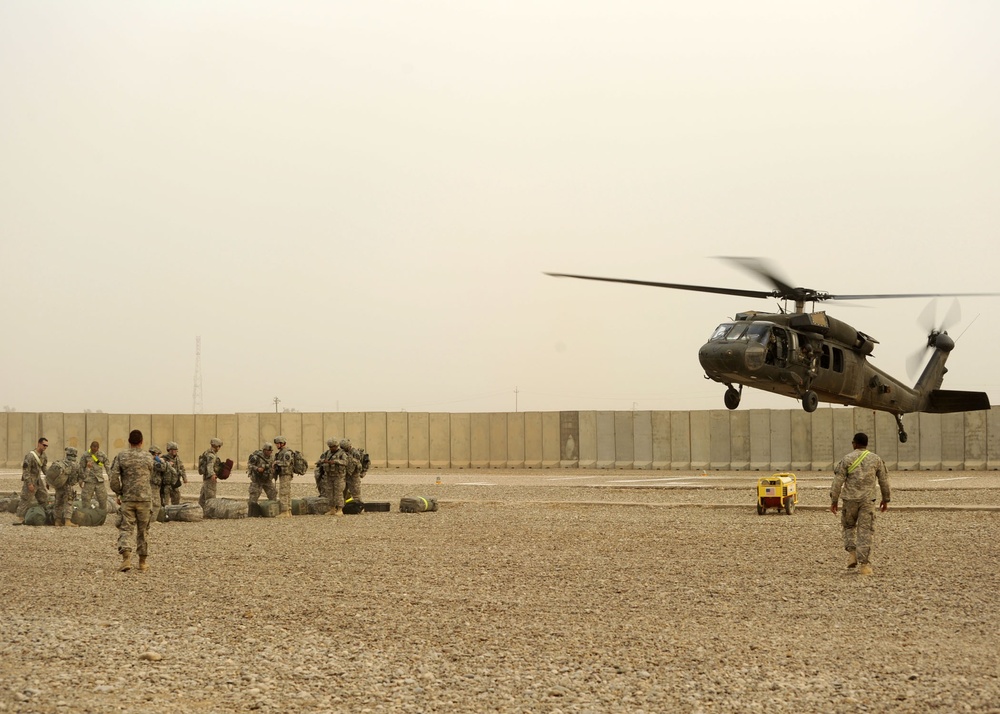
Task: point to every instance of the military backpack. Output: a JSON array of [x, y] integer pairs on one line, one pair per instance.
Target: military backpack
[[299, 463], [58, 475]]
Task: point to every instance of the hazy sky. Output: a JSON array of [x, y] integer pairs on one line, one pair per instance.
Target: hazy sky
[[352, 203]]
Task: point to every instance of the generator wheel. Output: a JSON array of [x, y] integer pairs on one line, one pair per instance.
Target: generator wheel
[[789, 506], [760, 510]]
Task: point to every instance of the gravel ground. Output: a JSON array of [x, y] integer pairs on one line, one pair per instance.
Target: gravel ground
[[558, 605]]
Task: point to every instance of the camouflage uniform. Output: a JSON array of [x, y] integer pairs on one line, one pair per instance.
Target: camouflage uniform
[[353, 473], [854, 479], [171, 493], [159, 476], [130, 476], [260, 469], [284, 462], [66, 494], [320, 471], [335, 475], [366, 462], [213, 465], [33, 487], [93, 465]]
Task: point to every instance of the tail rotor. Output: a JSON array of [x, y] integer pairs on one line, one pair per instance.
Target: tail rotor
[[928, 323]]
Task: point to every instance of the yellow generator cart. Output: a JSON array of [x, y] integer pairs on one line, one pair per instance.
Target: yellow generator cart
[[778, 491]]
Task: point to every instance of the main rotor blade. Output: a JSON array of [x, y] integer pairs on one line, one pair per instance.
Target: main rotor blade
[[905, 295], [768, 272], [675, 286]]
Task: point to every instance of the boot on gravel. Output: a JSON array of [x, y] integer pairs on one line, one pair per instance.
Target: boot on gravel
[[864, 569], [126, 561], [143, 565], [852, 560]]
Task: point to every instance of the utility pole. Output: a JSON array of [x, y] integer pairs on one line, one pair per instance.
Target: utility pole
[[515, 398], [276, 402], [197, 406]]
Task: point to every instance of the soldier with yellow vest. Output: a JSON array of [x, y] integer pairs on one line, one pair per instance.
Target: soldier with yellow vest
[[854, 480]]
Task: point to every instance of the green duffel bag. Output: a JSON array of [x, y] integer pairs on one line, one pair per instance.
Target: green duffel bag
[[417, 504], [264, 509], [89, 516], [36, 516], [313, 506], [184, 512], [225, 508]]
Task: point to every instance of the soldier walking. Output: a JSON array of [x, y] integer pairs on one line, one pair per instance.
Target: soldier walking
[[260, 468], [209, 466], [854, 480], [33, 488], [178, 477], [130, 476], [284, 463], [69, 475], [94, 463]]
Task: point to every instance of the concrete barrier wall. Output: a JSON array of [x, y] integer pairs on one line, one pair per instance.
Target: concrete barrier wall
[[718, 439]]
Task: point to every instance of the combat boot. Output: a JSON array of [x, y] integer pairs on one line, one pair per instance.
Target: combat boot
[[143, 565], [60, 522], [126, 561], [852, 559], [864, 569], [335, 512], [70, 524]]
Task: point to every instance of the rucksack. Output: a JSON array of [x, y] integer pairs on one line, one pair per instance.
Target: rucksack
[[366, 461], [203, 465], [299, 463], [57, 475]]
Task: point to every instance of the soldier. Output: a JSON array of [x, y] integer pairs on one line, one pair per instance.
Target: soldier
[[353, 475], [209, 466], [366, 462], [33, 486], [172, 491], [159, 476], [335, 473], [70, 474], [260, 469], [130, 476], [854, 482], [93, 463], [284, 461], [320, 471]]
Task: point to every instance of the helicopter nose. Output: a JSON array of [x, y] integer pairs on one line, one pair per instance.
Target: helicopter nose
[[720, 358]]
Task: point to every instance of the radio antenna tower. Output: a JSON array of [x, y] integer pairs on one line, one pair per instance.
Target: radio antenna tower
[[197, 406]]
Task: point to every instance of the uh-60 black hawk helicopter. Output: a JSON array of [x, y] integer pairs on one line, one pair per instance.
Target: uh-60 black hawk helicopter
[[813, 357]]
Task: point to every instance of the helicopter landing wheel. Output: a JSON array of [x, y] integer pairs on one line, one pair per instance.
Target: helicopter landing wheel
[[902, 431], [810, 401], [731, 398], [902, 437]]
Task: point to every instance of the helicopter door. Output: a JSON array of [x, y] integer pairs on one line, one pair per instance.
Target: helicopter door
[[777, 348]]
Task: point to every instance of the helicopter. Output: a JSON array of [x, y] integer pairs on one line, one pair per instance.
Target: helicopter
[[812, 357]]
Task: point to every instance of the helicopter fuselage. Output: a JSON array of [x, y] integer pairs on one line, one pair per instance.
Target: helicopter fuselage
[[793, 354]]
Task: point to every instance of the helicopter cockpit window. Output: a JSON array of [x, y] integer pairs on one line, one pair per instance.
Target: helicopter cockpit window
[[738, 332], [758, 332], [720, 331]]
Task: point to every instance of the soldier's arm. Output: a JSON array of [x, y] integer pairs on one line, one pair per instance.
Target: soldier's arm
[[882, 474], [115, 478], [839, 475]]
